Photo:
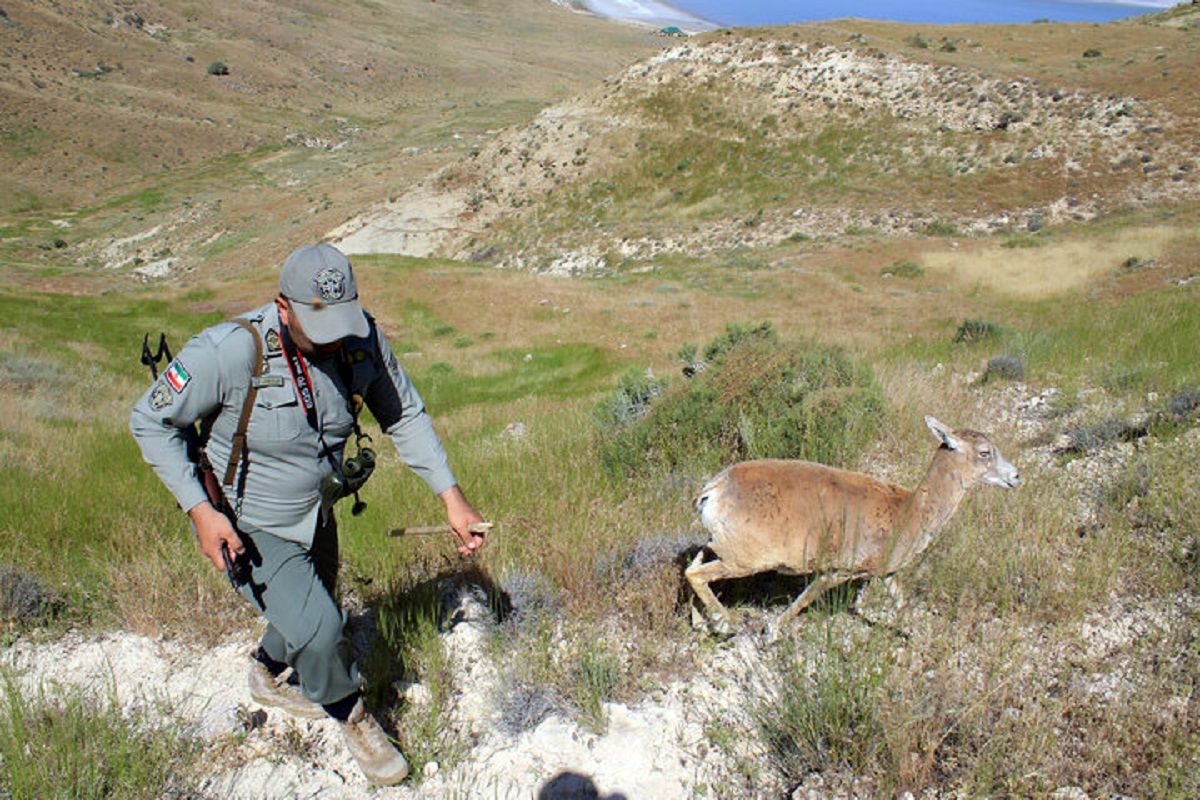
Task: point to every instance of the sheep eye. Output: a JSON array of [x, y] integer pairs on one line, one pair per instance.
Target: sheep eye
[[985, 454]]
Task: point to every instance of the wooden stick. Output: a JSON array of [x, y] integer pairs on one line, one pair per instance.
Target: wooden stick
[[424, 530]]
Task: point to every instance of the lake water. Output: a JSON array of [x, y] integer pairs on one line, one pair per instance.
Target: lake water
[[691, 14]]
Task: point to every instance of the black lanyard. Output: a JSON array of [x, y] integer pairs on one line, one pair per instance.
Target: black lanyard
[[300, 378]]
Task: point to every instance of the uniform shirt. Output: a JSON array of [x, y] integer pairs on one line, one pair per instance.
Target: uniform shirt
[[287, 461]]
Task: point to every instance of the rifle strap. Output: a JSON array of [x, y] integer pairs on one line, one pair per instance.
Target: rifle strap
[[239, 451]]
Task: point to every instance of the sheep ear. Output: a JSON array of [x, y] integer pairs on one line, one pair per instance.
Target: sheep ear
[[943, 434]]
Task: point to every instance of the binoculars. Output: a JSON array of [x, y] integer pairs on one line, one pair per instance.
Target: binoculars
[[347, 481]]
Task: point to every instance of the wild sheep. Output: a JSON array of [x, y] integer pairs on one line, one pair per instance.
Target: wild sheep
[[801, 518]]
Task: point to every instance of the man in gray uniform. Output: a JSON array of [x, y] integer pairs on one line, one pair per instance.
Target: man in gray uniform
[[322, 358]]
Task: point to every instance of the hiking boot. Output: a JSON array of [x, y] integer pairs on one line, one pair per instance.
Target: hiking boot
[[377, 757], [277, 692]]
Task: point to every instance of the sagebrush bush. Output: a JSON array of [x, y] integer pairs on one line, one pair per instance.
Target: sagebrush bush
[[823, 711], [973, 330], [23, 596], [636, 390], [756, 397], [903, 269], [1005, 368]]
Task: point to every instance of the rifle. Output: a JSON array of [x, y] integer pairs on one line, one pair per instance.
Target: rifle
[[236, 570], [152, 360]]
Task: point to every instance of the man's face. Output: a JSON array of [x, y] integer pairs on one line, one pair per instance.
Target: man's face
[[303, 343]]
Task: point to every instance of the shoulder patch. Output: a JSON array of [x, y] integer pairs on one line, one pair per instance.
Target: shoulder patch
[[160, 397], [272, 341], [177, 376]]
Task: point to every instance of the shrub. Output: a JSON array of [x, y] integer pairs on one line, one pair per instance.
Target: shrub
[[523, 706], [941, 227], [530, 596], [1006, 368], [827, 715], [1184, 403], [23, 597], [1095, 436], [975, 330], [756, 397], [1092, 52], [218, 68], [904, 269], [636, 390]]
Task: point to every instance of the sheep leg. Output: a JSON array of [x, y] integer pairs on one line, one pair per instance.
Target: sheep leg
[[816, 587], [699, 575], [894, 590]]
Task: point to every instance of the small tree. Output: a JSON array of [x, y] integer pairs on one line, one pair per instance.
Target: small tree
[[218, 68]]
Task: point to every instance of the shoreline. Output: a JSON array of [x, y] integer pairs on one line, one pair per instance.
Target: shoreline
[[643, 13], [657, 14]]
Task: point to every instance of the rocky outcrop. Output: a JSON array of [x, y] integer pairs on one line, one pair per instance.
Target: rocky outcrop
[[947, 122]]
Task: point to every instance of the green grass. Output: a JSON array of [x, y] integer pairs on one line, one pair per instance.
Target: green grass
[[825, 709], [547, 372], [701, 159], [597, 674], [56, 324], [409, 649], [64, 745], [1133, 346], [24, 142], [756, 397], [20, 201], [688, 179]]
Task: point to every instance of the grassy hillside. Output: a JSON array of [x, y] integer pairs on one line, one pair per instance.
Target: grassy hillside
[[185, 135], [1050, 635]]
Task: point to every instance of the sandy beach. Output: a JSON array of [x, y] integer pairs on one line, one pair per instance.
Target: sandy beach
[[644, 12]]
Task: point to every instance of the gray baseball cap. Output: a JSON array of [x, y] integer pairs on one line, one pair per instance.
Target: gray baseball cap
[[320, 283]]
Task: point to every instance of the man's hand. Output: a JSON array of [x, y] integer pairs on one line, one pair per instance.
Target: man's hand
[[462, 515], [213, 530]]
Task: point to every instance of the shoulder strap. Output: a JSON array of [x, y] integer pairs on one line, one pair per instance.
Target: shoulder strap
[[239, 450]]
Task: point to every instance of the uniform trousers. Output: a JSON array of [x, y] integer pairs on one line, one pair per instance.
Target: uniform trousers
[[293, 587]]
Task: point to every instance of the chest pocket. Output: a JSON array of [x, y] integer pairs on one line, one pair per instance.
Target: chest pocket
[[277, 415]]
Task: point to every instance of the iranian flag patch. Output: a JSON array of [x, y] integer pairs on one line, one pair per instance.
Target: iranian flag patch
[[177, 376]]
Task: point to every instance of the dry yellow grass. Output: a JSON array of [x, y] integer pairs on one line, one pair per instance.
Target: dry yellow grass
[[1054, 268]]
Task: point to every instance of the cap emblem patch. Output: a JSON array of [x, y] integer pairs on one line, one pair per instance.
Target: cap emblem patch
[[330, 284]]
